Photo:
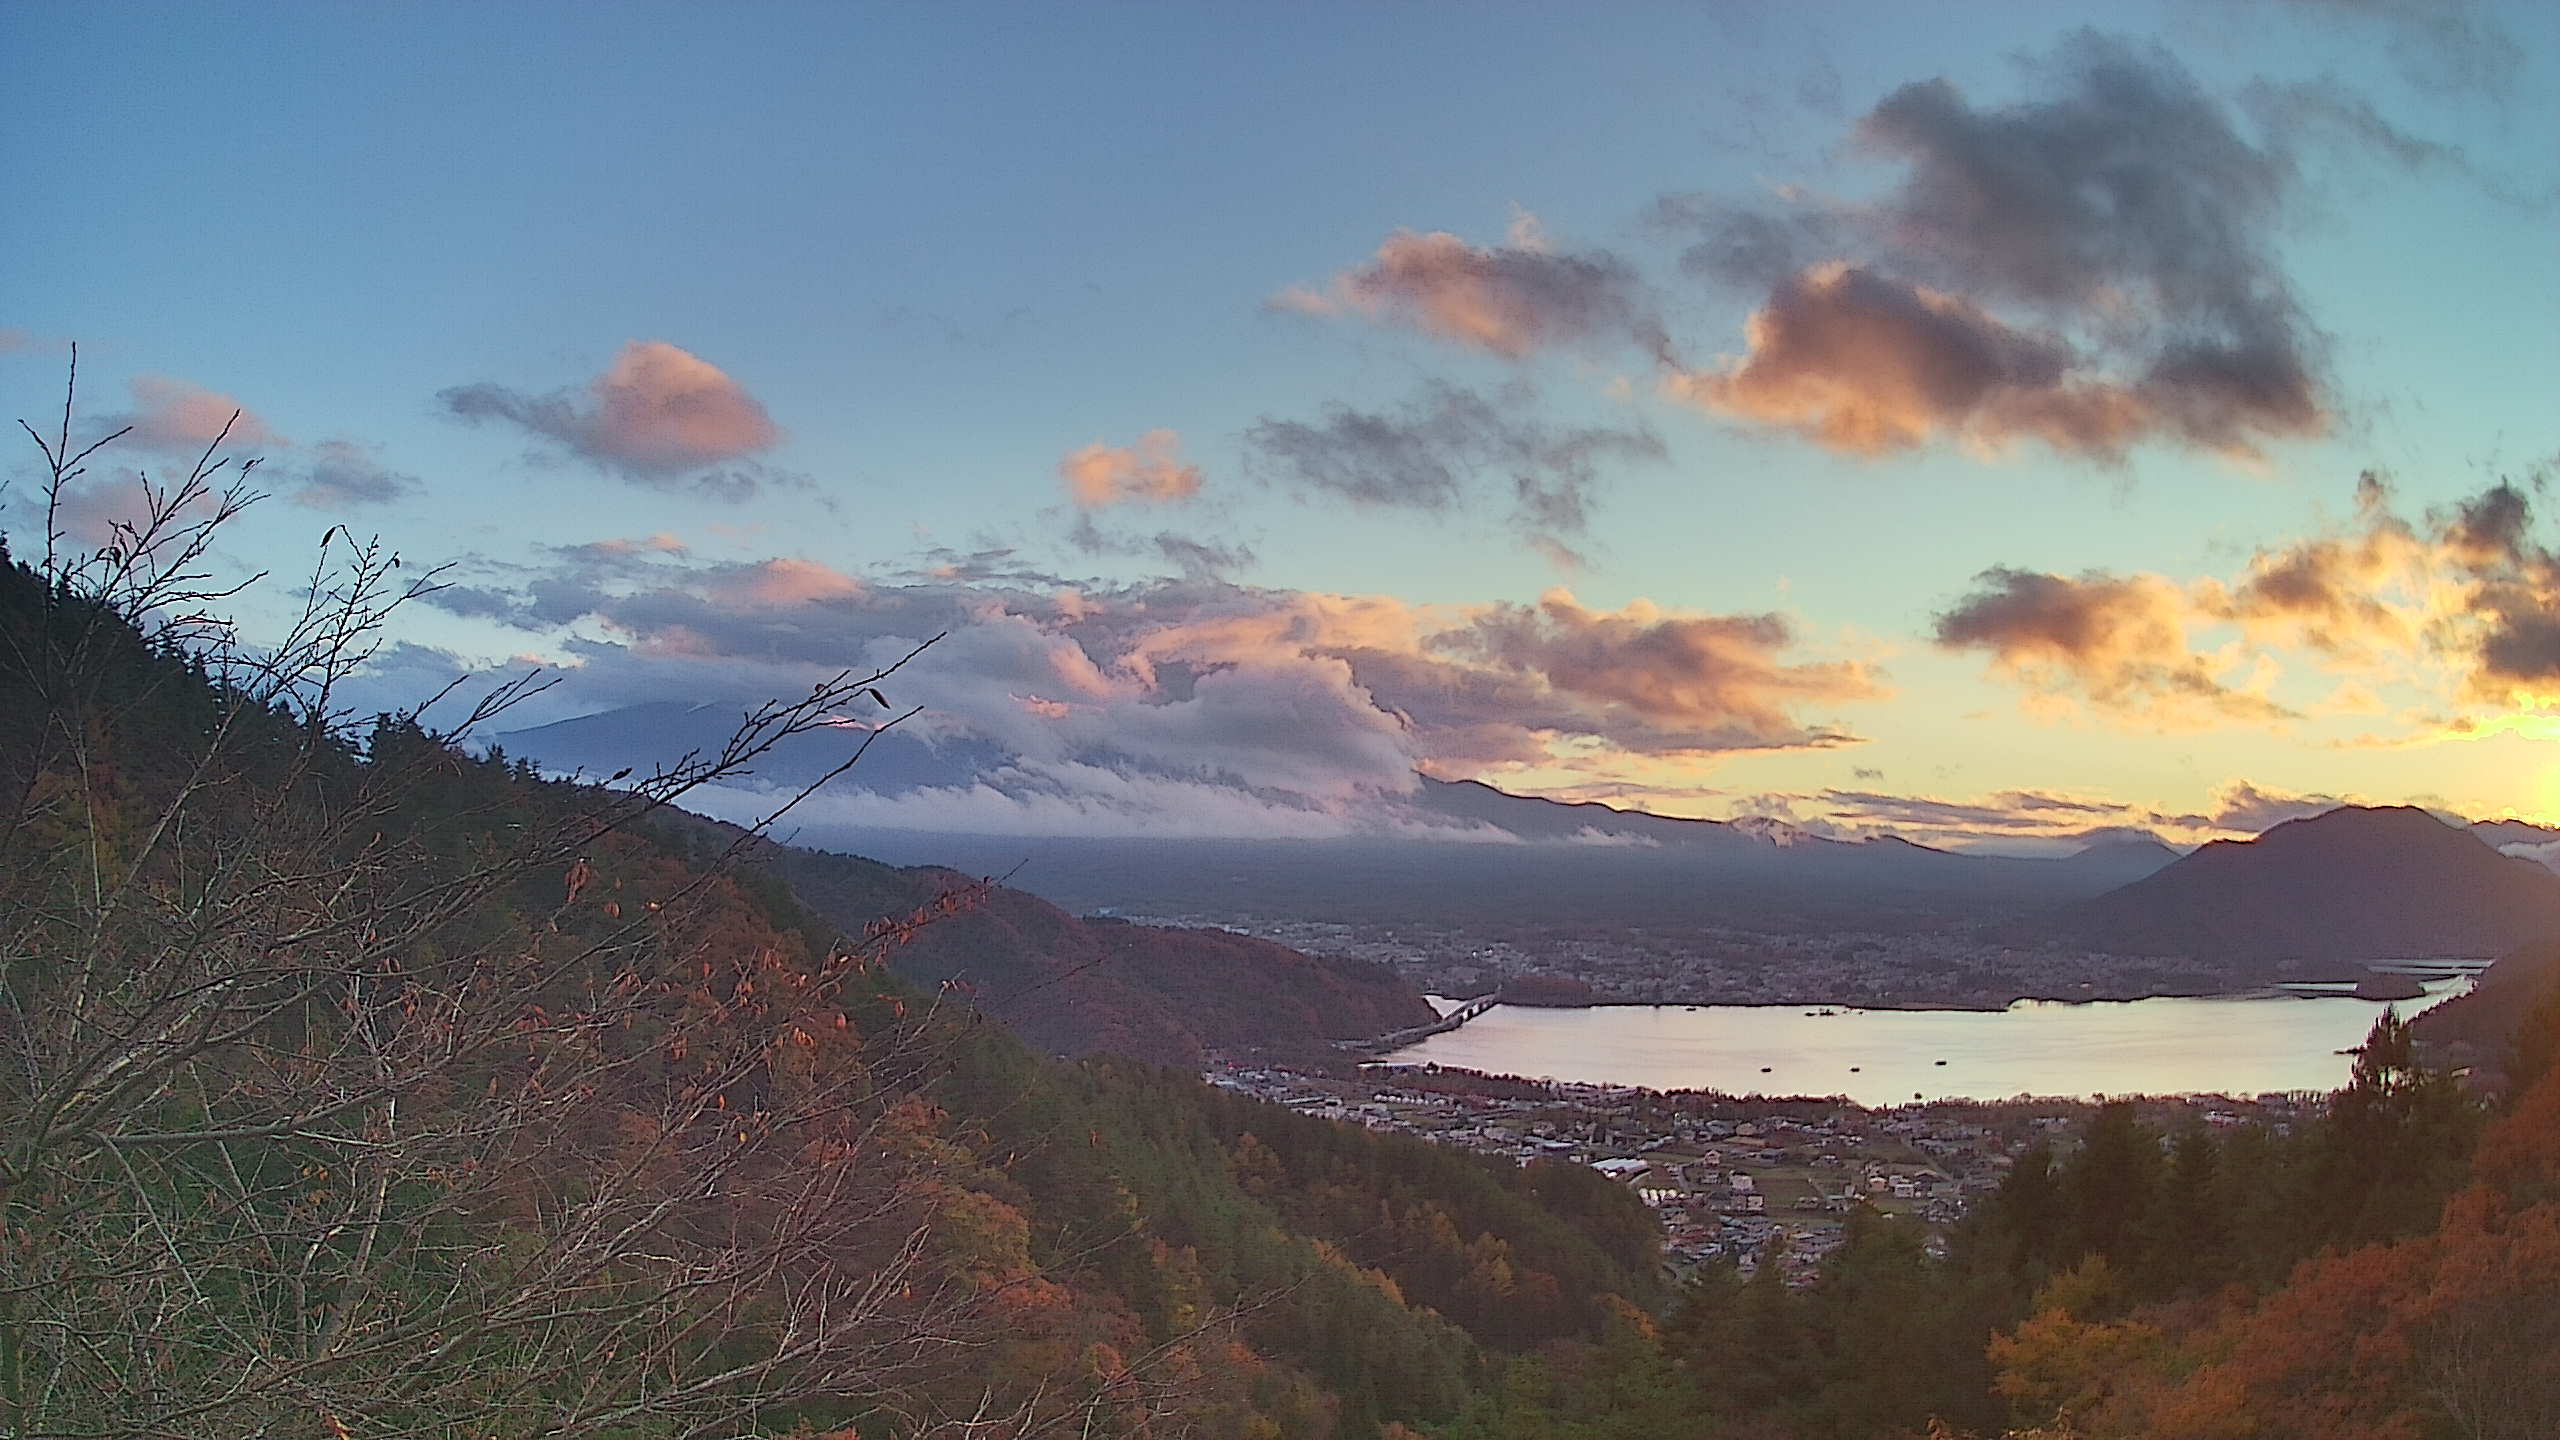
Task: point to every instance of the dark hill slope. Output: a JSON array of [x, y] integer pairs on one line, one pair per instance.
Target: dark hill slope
[[1075, 986], [2486, 1019], [2353, 884]]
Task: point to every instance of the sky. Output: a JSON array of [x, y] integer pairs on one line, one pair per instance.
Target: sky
[[1994, 424]]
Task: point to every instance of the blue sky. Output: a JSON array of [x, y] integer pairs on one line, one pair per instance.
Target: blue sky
[[940, 250]]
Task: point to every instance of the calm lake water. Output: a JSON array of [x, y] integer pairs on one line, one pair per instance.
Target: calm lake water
[[2223, 1045]]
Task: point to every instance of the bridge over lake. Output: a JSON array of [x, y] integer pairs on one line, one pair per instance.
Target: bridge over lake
[[1417, 1033]]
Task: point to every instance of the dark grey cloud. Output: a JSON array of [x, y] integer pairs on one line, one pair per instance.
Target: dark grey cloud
[[1453, 447], [989, 563], [1191, 556], [342, 475], [1200, 559], [2128, 183], [1750, 245], [2119, 214], [2440, 45]]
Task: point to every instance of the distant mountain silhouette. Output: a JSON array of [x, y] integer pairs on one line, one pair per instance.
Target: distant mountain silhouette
[[1585, 864], [2353, 884], [2518, 837], [662, 732], [1533, 817], [2121, 862]]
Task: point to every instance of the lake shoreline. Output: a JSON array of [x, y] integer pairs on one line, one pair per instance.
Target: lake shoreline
[[2233, 1042], [1984, 1007]]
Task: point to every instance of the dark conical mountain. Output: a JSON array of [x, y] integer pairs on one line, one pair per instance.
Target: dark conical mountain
[[2121, 861], [662, 732], [2353, 884]]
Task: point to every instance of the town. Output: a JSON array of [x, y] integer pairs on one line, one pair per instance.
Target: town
[[1945, 969], [1734, 1181]]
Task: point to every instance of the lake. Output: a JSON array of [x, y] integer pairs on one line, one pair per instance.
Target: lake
[[2217, 1045]]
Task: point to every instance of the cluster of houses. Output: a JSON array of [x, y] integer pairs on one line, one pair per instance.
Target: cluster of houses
[[1732, 1180], [1726, 1186], [1716, 965]]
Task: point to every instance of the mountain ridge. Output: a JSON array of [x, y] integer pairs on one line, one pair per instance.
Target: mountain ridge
[[2351, 884]]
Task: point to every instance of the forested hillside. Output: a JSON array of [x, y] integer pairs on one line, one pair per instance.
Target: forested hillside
[[2389, 1271], [1077, 986], [356, 1086]]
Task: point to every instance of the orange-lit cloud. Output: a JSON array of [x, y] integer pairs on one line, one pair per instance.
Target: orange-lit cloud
[[1151, 471], [1320, 696], [2452, 610], [181, 417], [788, 582], [1511, 300], [2121, 642], [659, 414], [1676, 677], [1867, 364]]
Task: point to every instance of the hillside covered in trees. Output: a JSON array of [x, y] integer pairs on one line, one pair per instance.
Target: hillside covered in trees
[[1080, 985], [2387, 1273], [359, 1086]]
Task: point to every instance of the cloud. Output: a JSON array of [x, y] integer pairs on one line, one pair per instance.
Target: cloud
[[658, 416], [1666, 680], [2120, 220], [2452, 611], [1867, 364], [1151, 470], [1452, 447], [2441, 45], [1200, 559], [342, 475], [2245, 807], [1748, 246], [1306, 700], [2032, 822], [2011, 810], [1026, 798], [1512, 300], [2466, 586], [2121, 642], [180, 417], [100, 509], [1190, 556]]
